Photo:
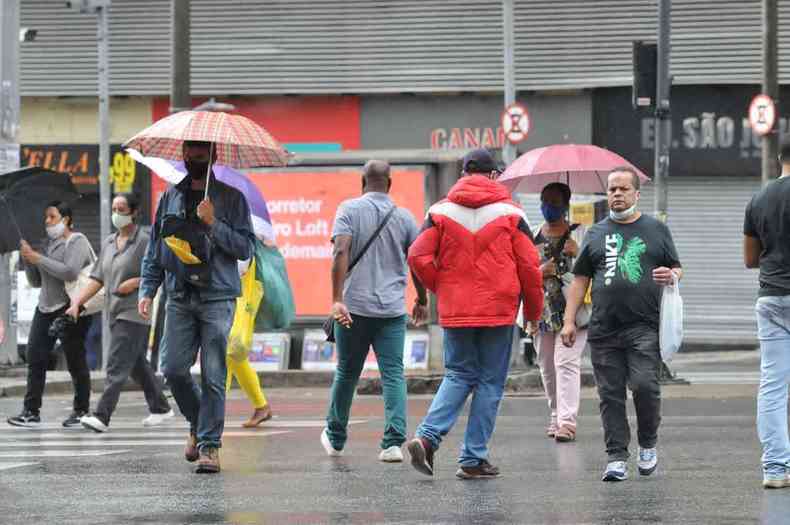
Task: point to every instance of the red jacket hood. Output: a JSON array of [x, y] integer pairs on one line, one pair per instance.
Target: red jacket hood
[[476, 191]]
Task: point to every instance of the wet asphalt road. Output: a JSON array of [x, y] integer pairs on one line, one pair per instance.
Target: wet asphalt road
[[709, 469]]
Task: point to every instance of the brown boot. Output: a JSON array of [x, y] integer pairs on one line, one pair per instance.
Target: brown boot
[[259, 416], [481, 471], [208, 462], [191, 448]]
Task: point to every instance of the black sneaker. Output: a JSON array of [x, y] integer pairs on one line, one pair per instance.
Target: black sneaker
[[75, 419], [27, 418], [481, 471]]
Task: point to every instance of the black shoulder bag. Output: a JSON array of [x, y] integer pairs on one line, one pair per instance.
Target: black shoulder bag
[[329, 324]]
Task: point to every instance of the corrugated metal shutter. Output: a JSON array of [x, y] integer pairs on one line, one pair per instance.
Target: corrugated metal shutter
[[62, 60], [251, 47], [587, 43], [579, 43], [717, 42], [366, 46], [706, 218]]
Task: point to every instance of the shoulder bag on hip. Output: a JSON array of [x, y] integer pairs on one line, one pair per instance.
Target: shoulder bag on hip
[[329, 324], [96, 303]]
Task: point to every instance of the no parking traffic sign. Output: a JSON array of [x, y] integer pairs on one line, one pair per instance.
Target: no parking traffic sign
[[762, 114], [515, 123]]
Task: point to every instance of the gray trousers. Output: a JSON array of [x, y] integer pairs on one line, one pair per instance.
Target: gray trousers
[[629, 358], [127, 358]]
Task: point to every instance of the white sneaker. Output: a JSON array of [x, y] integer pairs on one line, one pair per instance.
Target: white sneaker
[[615, 471], [647, 461], [94, 423], [157, 419], [776, 481], [391, 455], [330, 450]]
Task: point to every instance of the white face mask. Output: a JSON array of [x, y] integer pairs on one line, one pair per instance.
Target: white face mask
[[623, 215], [56, 231], [121, 221]]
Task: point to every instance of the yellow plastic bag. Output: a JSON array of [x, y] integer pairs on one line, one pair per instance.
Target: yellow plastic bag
[[182, 249], [240, 337], [588, 295]]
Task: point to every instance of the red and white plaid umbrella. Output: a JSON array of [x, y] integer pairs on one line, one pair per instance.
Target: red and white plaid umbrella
[[241, 143]]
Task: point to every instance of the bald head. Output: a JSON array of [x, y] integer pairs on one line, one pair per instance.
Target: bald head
[[376, 176]]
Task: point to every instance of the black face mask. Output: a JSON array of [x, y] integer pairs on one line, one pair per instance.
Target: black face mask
[[196, 169]]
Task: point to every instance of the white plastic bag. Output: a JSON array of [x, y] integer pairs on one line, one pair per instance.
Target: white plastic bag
[[670, 333]]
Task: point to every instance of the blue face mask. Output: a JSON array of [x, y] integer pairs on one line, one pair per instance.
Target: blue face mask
[[552, 213]]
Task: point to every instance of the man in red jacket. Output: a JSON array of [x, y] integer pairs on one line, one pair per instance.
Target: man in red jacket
[[476, 254]]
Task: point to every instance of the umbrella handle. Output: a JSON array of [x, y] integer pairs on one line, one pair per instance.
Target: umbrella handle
[[208, 173]]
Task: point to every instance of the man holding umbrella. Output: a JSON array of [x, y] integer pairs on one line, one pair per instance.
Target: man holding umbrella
[[202, 229]]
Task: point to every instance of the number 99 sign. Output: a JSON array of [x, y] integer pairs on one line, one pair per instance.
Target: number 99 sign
[[123, 172]]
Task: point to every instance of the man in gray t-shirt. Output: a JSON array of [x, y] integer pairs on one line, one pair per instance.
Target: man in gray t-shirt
[[369, 307]]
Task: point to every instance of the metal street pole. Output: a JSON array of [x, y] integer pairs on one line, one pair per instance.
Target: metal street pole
[[770, 141], [103, 38], [663, 131], [663, 116], [180, 87], [508, 149], [9, 155]]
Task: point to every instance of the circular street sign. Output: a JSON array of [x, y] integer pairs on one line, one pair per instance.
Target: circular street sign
[[515, 123], [762, 114]]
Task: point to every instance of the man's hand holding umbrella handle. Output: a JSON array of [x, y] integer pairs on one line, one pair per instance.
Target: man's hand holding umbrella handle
[[574, 300], [205, 212], [144, 308]]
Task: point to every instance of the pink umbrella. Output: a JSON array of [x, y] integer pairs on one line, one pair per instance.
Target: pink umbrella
[[583, 167], [241, 143]]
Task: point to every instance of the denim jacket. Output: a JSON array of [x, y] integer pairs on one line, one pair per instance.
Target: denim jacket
[[231, 238]]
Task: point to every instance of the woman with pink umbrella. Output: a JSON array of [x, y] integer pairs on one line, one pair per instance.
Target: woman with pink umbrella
[[554, 172]]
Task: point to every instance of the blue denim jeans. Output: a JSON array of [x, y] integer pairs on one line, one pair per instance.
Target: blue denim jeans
[[773, 329], [477, 361], [191, 325]]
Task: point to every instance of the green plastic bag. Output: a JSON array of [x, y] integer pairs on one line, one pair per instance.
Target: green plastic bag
[[277, 309]]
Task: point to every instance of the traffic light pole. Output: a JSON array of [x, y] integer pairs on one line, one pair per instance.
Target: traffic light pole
[[9, 157], [770, 141], [663, 116], [508, 149]]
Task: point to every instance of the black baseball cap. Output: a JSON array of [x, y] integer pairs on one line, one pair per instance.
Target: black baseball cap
[[479, 161]]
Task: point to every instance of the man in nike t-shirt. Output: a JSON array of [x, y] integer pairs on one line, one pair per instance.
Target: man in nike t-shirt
[[629, 257]]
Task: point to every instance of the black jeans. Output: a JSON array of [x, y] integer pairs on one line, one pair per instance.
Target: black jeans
[[127, 358], [39, 347], [629, 358]]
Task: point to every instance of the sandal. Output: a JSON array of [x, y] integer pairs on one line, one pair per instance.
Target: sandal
[[565, 434], [259, 416]]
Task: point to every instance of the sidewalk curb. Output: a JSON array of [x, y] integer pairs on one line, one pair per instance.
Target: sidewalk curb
[[428, 383], [16, 387], [422, 383]]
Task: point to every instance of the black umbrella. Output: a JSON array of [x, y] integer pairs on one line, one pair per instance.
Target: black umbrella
[[24, 195]]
